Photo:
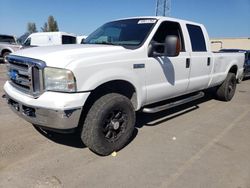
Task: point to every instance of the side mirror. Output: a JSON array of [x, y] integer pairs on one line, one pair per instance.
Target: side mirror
[[170, 48]]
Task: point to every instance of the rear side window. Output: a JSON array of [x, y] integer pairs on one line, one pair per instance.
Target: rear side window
[[197, 38], [68, 39]]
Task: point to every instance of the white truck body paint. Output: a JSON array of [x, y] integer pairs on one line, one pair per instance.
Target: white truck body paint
[[162, 77]]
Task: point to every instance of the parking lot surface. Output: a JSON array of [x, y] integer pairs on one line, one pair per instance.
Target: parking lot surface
[[202, 144]]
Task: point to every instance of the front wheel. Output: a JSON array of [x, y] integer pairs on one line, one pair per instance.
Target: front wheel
[[109, 124], [226, 90]]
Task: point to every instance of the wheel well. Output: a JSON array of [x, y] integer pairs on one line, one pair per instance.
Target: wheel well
[[5, 50], [234, 69], [118, 86]]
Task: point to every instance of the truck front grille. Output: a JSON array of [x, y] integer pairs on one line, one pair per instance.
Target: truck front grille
[[26, 74]]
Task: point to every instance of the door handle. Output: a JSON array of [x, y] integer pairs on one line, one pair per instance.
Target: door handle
[[208, 61], [187, 62]]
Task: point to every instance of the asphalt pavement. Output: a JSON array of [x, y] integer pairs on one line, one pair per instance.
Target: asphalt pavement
[[203, 144]]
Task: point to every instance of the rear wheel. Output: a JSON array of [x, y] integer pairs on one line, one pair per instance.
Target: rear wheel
[[109, 124], [226, 90]]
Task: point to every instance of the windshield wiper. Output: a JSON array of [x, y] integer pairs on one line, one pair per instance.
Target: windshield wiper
[[104, 42]]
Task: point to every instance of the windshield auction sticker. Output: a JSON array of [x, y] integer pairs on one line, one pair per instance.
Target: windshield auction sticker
[[150, 21]]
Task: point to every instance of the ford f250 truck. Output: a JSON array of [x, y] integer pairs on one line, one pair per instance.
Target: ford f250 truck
[[124, 66]]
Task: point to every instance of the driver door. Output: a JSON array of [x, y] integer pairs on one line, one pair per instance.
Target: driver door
[[167, 77]]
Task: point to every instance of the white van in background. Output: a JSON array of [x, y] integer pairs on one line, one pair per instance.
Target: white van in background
[[49, 39], [80, 39]]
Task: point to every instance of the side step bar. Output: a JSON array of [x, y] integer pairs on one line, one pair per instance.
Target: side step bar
[[173, 104]]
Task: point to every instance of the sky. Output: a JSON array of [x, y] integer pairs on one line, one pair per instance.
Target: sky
[[222, 18]]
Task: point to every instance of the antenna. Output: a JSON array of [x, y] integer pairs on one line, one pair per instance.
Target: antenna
[[163, 7]]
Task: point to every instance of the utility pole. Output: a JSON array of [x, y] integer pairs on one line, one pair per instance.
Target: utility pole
[[163, 7]]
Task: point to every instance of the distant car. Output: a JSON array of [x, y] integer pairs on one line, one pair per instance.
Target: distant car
[[49, 39], [246, 72], [8, 44]]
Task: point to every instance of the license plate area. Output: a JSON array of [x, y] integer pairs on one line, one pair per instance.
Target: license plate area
[[14, 104]]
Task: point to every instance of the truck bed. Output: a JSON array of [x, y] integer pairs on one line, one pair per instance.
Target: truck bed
[[222, 60]]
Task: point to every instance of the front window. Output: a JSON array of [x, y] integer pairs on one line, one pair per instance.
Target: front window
[[7, 39], [131, 32], [168, 28]]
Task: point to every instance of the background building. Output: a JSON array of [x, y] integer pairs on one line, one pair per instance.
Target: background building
[[238, 43]]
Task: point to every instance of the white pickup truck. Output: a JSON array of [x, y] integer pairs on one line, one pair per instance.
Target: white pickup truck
[[124, 66]]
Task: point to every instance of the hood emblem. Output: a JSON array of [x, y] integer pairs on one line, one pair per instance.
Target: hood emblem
[[13, 74]]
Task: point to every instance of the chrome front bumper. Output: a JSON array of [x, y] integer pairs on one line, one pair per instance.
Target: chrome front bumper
[[51, 118]]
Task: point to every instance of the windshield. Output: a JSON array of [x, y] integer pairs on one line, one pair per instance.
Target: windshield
[[130, 32], [7, 39]]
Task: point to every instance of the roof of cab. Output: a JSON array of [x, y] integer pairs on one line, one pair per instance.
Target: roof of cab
[[163, 18]]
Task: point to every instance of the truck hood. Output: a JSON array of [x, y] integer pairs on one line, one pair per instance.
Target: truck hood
[[63, 55]]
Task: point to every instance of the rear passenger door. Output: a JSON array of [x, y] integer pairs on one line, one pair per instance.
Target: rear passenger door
[[200, 59]]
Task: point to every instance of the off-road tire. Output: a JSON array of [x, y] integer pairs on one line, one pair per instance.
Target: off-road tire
[[99, 122], [226, 90]]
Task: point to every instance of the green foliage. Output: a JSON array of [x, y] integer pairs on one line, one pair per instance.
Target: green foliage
[[50, 26], [45, 27], [31, 27]]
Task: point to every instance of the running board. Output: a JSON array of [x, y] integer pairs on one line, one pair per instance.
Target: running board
[[173, 104]]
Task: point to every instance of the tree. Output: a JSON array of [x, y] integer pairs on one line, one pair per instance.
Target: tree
[[56, 26], [52, 24], [45, 27], [31, 27]]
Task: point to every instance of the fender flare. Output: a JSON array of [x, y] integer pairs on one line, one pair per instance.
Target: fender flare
[[99, 78]]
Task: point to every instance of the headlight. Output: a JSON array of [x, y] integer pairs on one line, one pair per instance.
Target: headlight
[[56, 79]]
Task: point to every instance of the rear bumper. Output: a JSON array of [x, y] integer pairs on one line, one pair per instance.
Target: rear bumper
[[55, 111]]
